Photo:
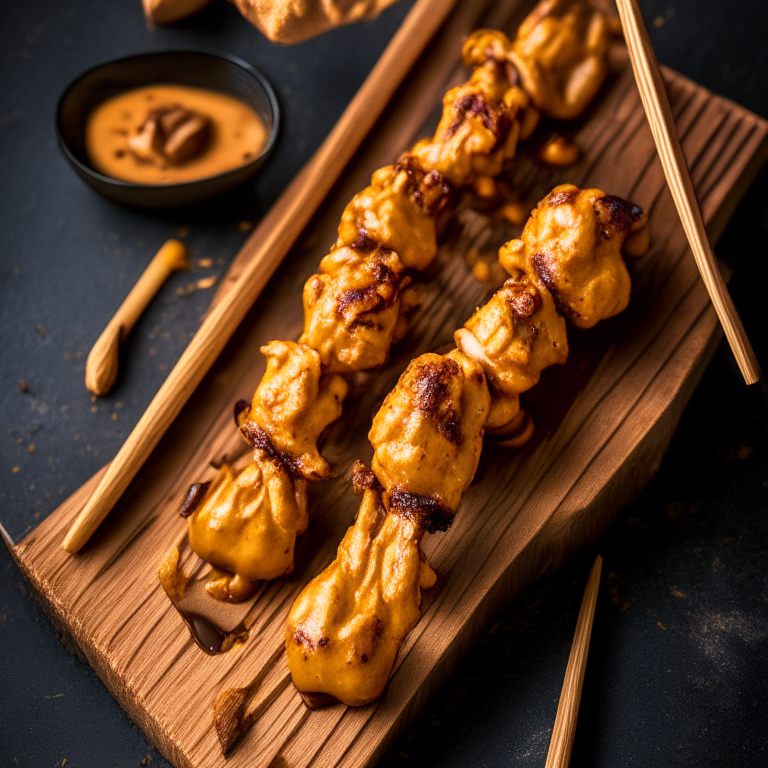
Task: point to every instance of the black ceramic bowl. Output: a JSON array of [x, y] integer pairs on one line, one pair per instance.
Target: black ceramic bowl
[[201, 69]]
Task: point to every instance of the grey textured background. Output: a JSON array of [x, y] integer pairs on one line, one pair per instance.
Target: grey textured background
[[678, 671]]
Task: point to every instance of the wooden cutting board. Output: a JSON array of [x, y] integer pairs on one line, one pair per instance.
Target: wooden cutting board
[[604, 420]]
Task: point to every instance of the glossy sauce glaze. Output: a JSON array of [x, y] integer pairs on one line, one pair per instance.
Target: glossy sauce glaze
[[234, 134]]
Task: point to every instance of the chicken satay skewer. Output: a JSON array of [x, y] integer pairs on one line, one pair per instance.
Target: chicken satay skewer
[[346, 627]]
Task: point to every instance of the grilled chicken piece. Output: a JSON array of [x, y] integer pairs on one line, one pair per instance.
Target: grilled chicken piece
[[482, 120], [572, 243], [560, 52], [246, 525], [427, 437], [291, 408], [348, 623], [399, 211], [351, 308], [514, 336]]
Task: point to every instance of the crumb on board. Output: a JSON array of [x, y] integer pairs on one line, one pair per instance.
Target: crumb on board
[[658, 22], [245, 226], [114, 417], [744, 452], [23, 386], [205, 263], [486, 188], [31, 448], [560, 152], [481, 271], [677, 593], [661, 626], [182, 231], [94, 408], [41, 330], [15, 469], [514, 213]]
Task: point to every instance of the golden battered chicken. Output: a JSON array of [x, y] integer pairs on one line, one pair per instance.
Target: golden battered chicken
[[291, 408], [246, 524], [514, 336], [560, 52], [483, 119], [399, 211], [427, 437], [477, 132], [572, 243], [351, 308], [348, 623]]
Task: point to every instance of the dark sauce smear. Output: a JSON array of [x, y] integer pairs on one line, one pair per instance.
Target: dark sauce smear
[[209, 636]]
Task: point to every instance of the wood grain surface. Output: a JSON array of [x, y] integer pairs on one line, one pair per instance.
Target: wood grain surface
[[604, 420]]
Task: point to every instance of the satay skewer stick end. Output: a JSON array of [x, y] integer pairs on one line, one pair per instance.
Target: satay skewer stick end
[[102, 363]]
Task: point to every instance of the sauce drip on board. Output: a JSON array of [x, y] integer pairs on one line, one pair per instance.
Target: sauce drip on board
[[237, 134], [209, 636]]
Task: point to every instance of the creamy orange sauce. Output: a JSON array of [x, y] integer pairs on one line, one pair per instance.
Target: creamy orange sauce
[[237, 134]]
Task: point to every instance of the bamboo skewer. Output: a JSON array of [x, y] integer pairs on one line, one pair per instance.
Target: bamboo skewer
[[564, 730], [656, 105], [270, 242], [102, 363]]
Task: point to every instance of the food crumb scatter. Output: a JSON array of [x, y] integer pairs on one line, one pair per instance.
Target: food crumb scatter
[[514, 213], [661, 626], [15, 469], [182, 231], [744, 452], [677, 593], [114, 417], [560, 152], [205, 263], [94, 408], [481, 271], [41, 330], [245, 226], [31, 448], [206, 282], [658, 22]]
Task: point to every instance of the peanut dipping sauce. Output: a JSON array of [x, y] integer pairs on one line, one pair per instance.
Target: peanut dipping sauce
[[230, 134]]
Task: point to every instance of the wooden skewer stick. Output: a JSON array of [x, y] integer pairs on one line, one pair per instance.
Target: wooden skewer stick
[[659, 114], [564, 730], [270, 242], [101, 366]]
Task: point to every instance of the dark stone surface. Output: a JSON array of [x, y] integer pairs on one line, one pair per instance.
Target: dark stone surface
[[678, 672]]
